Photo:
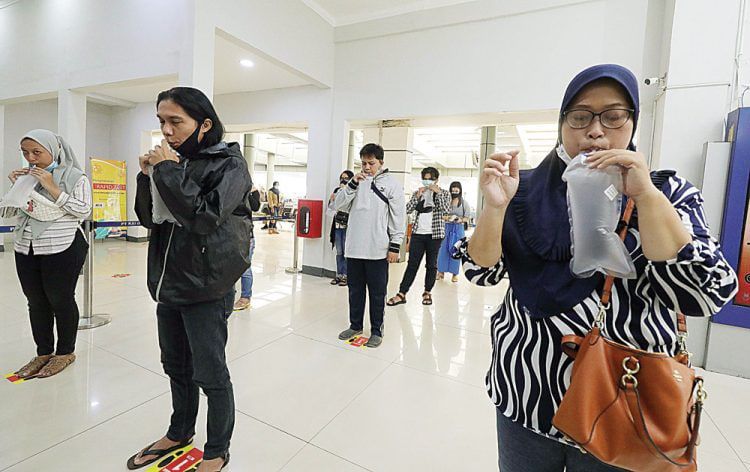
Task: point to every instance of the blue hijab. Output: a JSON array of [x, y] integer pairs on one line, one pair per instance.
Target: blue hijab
[[536, 231]]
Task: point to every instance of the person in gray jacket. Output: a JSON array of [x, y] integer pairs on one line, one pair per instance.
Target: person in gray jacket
[[375, 202]]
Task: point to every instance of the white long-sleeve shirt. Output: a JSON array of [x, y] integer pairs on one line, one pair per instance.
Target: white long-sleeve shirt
[[60, 235]]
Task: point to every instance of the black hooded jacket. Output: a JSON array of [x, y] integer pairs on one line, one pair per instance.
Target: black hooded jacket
[[201, 258]]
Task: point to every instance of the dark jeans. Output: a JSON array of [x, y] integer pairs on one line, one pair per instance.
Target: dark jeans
[[420, 245], [522, 450], [192, 339], [340, 244], [49, 283], [275, 212], [373, 276]]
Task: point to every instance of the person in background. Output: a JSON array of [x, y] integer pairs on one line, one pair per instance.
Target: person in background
[[455, 224], [194, 263], [431, 204], [374, 200], [246, 281], [274, 205], [50, 248], [338, 231]]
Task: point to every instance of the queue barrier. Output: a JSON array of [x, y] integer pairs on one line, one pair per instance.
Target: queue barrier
[[93, 320]]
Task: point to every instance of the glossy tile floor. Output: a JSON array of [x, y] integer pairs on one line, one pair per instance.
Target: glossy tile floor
[[305, 401]]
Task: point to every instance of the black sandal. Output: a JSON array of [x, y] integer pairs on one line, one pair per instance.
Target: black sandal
[[159, 453], [397, 299], [427, 298]]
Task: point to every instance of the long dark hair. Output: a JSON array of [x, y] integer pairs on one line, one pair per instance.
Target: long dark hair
[[199, 107], [456, 183]]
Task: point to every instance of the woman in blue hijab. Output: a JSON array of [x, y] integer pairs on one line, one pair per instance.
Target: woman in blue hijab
[[524, 231]]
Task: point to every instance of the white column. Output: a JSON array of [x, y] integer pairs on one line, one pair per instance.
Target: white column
[[197, 53], [353, 153], [249, 143], [270, 168], [71, 122], [397, 143]]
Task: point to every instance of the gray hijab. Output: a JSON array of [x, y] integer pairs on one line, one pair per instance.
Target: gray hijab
[[66, 175]]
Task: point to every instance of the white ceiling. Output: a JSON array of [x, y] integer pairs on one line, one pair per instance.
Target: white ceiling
[[229, 76], [347, 12]]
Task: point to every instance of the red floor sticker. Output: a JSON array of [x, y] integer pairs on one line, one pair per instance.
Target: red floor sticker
[[359, 341], [13, 378]]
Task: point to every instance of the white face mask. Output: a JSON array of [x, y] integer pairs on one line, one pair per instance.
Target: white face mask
[[563, 154]]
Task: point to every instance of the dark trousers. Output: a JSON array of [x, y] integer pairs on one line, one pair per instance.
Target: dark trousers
[[193, 339], [420, 245], [522, 450], [49, 283], [371, 275]]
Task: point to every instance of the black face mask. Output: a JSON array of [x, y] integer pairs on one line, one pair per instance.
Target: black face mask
[[191, 145], [344, 181], [455, 194]]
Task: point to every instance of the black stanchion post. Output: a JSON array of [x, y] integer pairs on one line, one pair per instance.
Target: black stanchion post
[[90, 320]]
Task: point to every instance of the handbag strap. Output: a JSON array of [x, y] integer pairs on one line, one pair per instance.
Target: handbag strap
[[682, 331]]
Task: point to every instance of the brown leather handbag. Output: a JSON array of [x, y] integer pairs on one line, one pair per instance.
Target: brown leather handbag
[[632, 409]]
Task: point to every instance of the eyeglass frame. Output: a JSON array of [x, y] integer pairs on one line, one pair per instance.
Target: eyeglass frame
[[595, 115]]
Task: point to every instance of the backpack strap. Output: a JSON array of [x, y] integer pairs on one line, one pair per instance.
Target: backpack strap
[[379, 193]]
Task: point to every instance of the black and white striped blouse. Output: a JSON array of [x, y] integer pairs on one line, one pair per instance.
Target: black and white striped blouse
[[530, 373], [59, 236]]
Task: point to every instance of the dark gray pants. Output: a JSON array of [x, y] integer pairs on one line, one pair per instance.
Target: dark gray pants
[[192, 339], [522, 450]]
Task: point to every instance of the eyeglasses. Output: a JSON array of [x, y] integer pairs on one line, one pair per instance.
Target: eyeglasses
[[613, 118]]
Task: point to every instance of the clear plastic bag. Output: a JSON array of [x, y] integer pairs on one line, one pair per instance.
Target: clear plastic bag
[[594, 205], [19, 194], [159, 212]]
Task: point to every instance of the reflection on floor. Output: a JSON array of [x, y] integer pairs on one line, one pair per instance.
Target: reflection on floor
[[305, 400]]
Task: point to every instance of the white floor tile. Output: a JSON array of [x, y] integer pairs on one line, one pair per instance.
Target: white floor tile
[[38, 414], [312, 458], [299, 385], [107, 447], [417, 419], [416, 403]]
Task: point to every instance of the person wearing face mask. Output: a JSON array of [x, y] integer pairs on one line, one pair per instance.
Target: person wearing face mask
[[274, 205], [50, 247], [374, 200], [524, 230], [338, 231], [193, 265], [431, 204], [455, 223]]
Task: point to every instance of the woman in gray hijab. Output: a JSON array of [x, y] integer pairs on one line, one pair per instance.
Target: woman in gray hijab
[[50, 247]]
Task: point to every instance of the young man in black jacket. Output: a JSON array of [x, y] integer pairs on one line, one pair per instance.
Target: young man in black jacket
[[196, 254]]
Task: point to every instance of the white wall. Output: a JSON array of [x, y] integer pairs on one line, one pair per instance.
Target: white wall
[[19, 119], [508, 63], [51, 45], [702, 46], [98, 132], [131, 137], [286, 31], [310, 106]]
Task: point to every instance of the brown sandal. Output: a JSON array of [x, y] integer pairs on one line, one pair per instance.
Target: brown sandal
[[397, 299], [427, 298], [56, 365], [33, 367]]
